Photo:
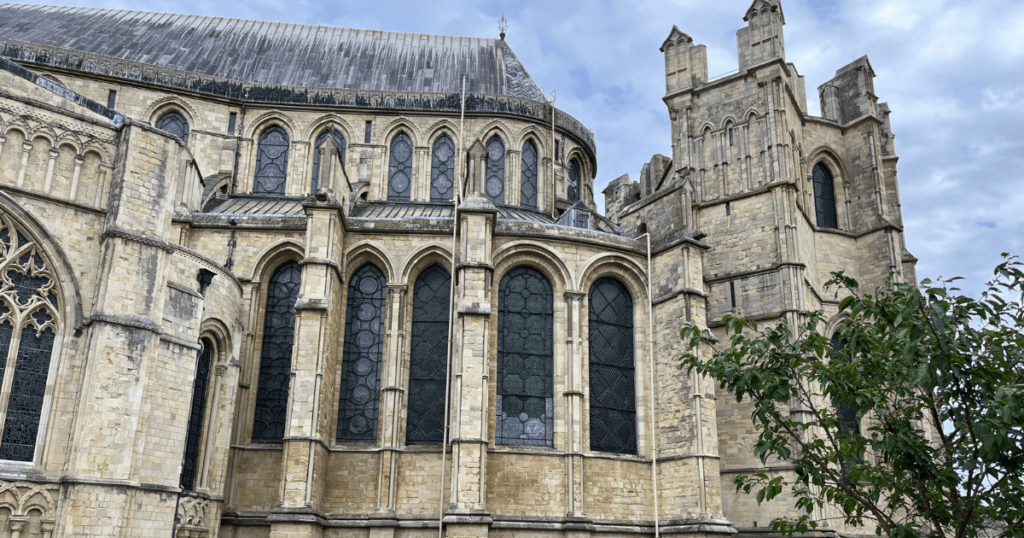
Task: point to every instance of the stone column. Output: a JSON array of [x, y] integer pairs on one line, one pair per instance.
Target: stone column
[[26, 148], [574, 401], [467, 515], [314, 359], [391, 381], [54, 153], [76, 176]]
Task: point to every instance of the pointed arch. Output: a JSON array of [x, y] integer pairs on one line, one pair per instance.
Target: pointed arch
[[272, 151], [168, 103], [494, 182], [399, 125], [359, 391], [428, 357], [400, 163], [368, 252], [173, 122], [267, 119]]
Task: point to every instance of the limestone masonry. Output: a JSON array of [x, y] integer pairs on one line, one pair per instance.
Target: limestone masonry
[[244, 266]]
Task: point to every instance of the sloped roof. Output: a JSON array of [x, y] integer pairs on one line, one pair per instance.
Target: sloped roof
[[273, 53]]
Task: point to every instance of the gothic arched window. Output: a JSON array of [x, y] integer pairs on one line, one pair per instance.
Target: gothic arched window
[[271, 161], [528, 176], [824, 197], [525, 406], [196, 417], [442, 170], [428, 361], [847, 415], [276, 355], [174, 123], [339, 142], [28, 329], [612, 368], [360, 364], [495, 183], [572, 188], [400, 168]]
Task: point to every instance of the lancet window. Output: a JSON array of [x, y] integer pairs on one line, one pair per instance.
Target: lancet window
[[495, 184], [847, 415], [525, 405], [174, 123], [612, 368], [528, 176], [29, 323], [271, 161], [276, 355], [572, 189], [359, 400], [400, 168], [339, 142], [442, 170], [824, 197], [429, 357], [196, 417]]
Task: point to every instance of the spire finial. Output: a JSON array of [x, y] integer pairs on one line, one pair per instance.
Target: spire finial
[[502, 26]]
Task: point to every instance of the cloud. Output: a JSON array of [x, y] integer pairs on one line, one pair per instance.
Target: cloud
[[950, 72]]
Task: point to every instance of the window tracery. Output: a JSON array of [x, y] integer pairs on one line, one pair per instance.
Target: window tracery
[[612, 368], [528, 176], [442, 170], [525, 405], [276, 354], [400, 168], [29, 322], [360, 365], [495, 184], [428, 360], [174, 123], [271, 161]]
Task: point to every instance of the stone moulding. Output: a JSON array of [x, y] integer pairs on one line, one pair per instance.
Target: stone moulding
[[95, 64]]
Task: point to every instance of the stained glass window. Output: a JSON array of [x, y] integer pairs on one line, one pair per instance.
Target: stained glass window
[[28, 307], [528, 176], [442, 170], [360, 365], [400, 169], [197, 414], [271, 161], [612, 368], [824, 197], [429, 358], [174, 123], [495, 183], [572, 189], [339, 142], [276, 355], [525, 405]]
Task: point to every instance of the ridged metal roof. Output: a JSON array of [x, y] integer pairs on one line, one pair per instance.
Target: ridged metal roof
[[275, 53]]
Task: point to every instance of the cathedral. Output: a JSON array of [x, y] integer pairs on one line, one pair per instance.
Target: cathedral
[[277, 280]]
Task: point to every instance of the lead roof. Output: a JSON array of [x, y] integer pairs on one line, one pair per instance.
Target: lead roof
[[275, 53]]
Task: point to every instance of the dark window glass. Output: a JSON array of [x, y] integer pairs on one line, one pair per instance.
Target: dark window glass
[[276, 356], [271, 161], [428, 361], [847, 415], [572, 190], [194, 433], [25, 407], [612, 368], [400, 169], [360, 364], [369, 131], [339, 142], [528, 178], [495, 184], [175, 124], [111, 99], [232, 118], [824, 197], [442, 170], [525, 408]]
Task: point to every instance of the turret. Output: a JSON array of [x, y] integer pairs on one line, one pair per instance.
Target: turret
[[762, 40], [620, 192], [686, 64], [850, 94]]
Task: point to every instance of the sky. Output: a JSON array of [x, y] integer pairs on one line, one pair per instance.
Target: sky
[[952, 73]]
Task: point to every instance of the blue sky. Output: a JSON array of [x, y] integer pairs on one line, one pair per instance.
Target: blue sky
[[952, 73]]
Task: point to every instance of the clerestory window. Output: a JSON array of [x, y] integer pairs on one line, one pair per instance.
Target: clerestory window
[[196, 417], [400, 169], [528, 176], [174, 123], [442, 170], [495, 183], [271, 161]]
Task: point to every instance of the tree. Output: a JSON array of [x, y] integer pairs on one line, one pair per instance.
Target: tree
[[911, 421]]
